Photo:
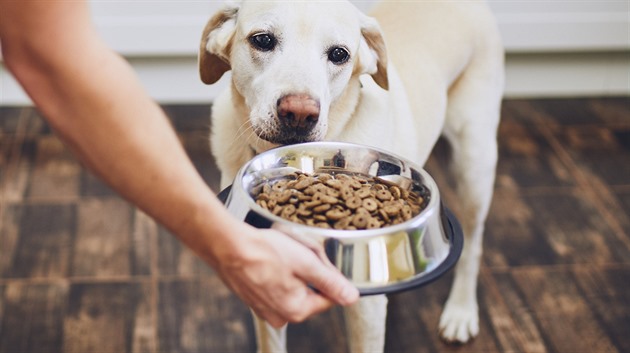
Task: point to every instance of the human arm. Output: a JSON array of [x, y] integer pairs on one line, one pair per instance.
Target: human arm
[[92, 99]]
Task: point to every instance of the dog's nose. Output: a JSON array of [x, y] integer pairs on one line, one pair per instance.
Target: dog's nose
[[298, 111]]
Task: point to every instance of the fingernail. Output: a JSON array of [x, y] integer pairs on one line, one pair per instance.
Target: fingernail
[[349, 294]]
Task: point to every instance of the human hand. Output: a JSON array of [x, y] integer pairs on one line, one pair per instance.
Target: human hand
[[271, 272]]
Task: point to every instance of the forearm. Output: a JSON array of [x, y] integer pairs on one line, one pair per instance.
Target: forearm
[[93, 100]]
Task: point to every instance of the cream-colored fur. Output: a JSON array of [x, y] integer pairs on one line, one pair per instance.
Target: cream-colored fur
[[416, 71]]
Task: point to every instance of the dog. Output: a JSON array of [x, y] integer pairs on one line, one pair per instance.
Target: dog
[[397, 79]]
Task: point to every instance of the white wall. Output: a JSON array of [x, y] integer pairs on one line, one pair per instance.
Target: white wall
[[554, 48]]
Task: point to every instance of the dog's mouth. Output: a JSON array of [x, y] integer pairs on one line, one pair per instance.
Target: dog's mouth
[[288, 137]]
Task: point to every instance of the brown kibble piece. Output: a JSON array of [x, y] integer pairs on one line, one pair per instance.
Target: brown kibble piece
[[323, 177], [288, 211], [262, 203], [354, 202], [391, 210], [303, 183], [373, 223], [334, 183], [320, 217], [370, 204], [396, 193], [322, 208], [345, 193], [406, 212], [303, 211], [280, 196], [336, 214], [313, 203], [279, 186], [360, 221], [384, 195], [277, 210], [363, 192], [343, 223]]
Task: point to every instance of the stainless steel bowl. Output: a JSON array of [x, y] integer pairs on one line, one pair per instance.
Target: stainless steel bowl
[[377, 261]]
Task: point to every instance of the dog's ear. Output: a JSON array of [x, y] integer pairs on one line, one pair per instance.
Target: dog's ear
[[216, 42], [372, 52]]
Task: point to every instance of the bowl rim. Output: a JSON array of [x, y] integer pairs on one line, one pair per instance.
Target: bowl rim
[[432, 209]]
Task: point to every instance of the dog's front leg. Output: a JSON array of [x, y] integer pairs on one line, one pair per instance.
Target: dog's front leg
[[472, 119], [268, 338], [365, 322], [460, 320]]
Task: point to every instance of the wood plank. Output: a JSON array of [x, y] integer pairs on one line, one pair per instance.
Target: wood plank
[[56, 173], [101, 317], [174, 258], [16, 168], [202, 315], [549, 228], [567, 322], [607, 292], [103, 242], [611, 110], [9, 121], [6, 161], [90, 186], [2, 308], [144, 244], [189, 117], [560, 113], [45, 241], [10, 216], [33, 316], [34, 124], [622, 211], [197, 145], [527, 160], [192, 122], [144, 332], [599, 152], [513, 323]]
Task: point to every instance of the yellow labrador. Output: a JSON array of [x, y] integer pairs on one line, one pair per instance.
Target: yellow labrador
[[310, 71]]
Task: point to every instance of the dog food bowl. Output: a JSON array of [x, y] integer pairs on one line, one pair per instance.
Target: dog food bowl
[[377, 261]]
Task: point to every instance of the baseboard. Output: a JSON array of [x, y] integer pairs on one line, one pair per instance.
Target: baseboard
[[567, 74], [175, 79]]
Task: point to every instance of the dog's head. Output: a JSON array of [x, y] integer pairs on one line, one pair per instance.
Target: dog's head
[[292, 61]]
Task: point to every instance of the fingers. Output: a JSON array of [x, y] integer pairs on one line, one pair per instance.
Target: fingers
[[329, 282]]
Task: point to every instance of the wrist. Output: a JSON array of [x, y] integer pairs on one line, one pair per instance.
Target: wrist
[[213, 233]]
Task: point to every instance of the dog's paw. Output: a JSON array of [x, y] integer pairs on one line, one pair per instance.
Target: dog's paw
[[459, 323]]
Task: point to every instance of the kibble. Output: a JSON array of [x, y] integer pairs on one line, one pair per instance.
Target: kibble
[[339, 201]]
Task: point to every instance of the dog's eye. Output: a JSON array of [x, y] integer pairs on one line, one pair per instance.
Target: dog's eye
[[263, 41], [338, 55]]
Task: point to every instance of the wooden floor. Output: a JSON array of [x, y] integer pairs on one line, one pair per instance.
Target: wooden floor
[[83, 271]]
